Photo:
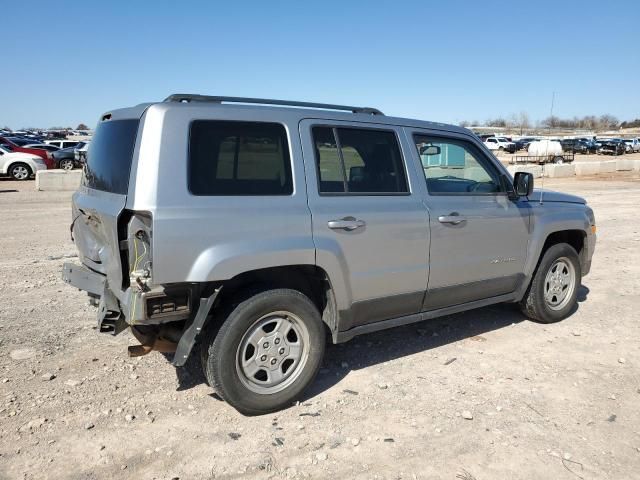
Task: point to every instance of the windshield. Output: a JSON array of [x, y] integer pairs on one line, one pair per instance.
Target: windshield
[[109, 158]]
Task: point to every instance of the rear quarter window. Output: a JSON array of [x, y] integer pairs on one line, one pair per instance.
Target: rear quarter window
[[109, 158], [238, 158]]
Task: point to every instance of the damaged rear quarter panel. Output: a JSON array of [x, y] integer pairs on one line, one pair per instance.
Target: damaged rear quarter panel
[[207, 238]]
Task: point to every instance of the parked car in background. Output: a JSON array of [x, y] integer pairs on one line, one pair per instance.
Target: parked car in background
[[523, 143], [62, 143], [633, 145], [42, 146], [65, 158], [10, 145], [500, 143], [484, 136], [19, 165], [21, 141], [577, 145], [592, 146], [81, 152], [611, 146]]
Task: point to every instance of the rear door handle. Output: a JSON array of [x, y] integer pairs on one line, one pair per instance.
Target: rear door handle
[[347, 224], [453, 218]]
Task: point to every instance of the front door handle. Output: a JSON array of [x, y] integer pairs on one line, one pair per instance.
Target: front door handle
[[347, 224], [453, 218]]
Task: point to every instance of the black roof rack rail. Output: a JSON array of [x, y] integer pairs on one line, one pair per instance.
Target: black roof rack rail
[[188, 97]]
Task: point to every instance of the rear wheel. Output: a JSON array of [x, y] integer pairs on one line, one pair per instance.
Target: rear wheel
[[20, 171], [266, 352], [553, 291], [66, 164], [558, 159]]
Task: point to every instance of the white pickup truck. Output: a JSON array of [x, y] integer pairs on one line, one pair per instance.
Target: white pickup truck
[[500, 143]]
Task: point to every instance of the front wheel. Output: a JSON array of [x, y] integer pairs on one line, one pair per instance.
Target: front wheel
[[553, 291], [266, 352], [20, 171]]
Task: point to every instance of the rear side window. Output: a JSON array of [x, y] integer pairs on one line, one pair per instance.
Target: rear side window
[[109, 158], [239, 158], [359, 162]]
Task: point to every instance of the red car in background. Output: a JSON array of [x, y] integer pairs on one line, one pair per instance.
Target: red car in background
[[46, 156]]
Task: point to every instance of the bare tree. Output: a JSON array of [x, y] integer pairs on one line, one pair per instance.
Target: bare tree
[[551, 122], [496, 122], [608, 121], [523, 121]]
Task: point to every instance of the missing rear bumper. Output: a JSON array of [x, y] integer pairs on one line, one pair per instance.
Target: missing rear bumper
[[83, 278]]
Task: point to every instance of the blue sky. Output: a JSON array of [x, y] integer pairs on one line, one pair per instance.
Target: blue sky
[[447, 61]]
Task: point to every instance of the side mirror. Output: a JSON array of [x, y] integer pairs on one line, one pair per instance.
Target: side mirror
[[523, 184], [430, 150]]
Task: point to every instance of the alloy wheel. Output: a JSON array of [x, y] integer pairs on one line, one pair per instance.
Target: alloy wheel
[[273, 352], [66, 164], [559, 284], [20, 172]]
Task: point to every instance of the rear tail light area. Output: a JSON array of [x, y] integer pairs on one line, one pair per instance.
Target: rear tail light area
[[134, 235], [156, 303]]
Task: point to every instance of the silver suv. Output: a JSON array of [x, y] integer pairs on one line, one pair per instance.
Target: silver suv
[[251, 230]]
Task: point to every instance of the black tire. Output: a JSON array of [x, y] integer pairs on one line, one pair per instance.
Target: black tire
[[221, 349], [533, 304], [558, 159], [15, 171]]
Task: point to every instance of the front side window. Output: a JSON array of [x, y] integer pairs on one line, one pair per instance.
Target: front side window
[[455, 167], [358, 161], [239, 158]]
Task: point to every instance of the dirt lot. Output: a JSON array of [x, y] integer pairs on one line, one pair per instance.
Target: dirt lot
[[555, 401]]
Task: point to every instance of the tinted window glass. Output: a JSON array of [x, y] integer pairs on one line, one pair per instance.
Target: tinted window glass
[[454, 166], [109, 158], [330, 171], [367, 161], [239, 158]]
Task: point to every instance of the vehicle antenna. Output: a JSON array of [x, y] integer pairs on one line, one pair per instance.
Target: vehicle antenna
[[553, 97]]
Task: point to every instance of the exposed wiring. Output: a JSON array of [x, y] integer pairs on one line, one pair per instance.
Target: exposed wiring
[[132, 310]]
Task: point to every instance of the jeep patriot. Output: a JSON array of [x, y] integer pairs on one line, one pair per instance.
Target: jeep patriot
[[251, 230]]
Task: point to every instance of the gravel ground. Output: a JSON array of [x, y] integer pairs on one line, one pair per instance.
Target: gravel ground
[[481, 395]]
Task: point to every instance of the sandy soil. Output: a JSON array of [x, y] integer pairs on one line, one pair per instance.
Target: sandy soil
[[555, 401]]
